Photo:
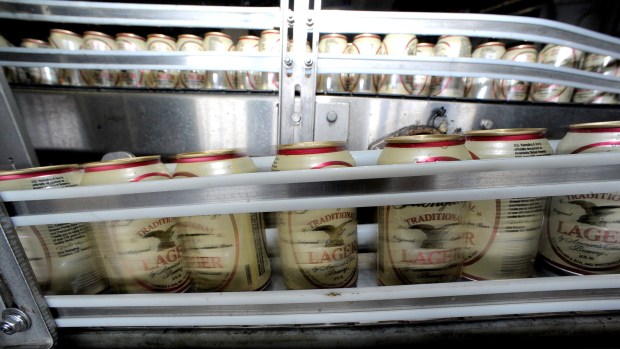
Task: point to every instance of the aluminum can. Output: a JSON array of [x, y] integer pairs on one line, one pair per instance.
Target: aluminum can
[[516, 90], [421, 84], [425, 242], [318, 248], [601, 64], [482, 88], [161, 78], [100, 42], [450, 46], [364, 44], [131, 77], [219, 79], [62, 256], [140, 255], [397, 45], [328, 83], [559, 56], [269, 42], [502, 235], [39, 75], [247, 80], [193, 79], [224, 252], [12, 73], [582, 232], [67, 40]]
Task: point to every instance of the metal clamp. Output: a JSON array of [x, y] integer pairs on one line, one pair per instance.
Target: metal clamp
[[14, 320]]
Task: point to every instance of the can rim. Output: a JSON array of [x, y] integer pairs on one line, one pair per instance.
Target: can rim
[[189, 36], [137, 160], [311, 145], [425, 138], [207, 153], [39, 171], [600, 124], [522, 46], [492, 43], [65, 31], [217, 34], [130, 35], [425, 44], [333, 35], [96, 33], [35, 41], [248, 37], [160, 36], [270, 31], [366, 35], [505, 132]]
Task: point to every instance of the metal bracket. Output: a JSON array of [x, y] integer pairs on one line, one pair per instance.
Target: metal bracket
[[331, 122]]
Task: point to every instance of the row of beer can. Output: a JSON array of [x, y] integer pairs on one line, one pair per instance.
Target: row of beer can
[[318, 248], [362, 44]]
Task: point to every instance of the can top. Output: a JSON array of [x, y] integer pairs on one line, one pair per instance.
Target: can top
[[189, 36], [596, 125], [502, 132], [366, 35], [451, 139], [35, 41], [248, 37], [160, 36], [130, 35], [329, 146], [65, 32], [121, 163], [37, 171], [453, 36], [491, 43], [217, 34], [425, 44], [270, 31], [521, 47], [96, 33], [333, 35], [209, 155]]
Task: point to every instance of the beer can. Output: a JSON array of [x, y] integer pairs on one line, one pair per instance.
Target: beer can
[[247, 80], [67, 40], [421, 243], [601, 64], [318, 248], [328, 83], [224, 252], [559, 56], [99, 42], [582, 232], [502, 235], [12, 73], [194, 79], [421, 84], [396, 45], [131, 77], [364, 44], [140, 255], [40, 75], [450, 46], [482, 88], [219, 79], [62, 256], [269, 42], [516, 90], [161, 78]]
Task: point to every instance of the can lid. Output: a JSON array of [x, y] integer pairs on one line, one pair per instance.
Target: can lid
[[121, 163], [160, 36], [217, 34], [95, 33], [64, 31], [270, 31], [35, 41], [491, 43], [366, 35], [451, 139], [506, 134], [595, 125], [305, 148], [333, 35], [425, 44], [38, 171], [130, 35], [248, 37], [189, 36], [209, 155]]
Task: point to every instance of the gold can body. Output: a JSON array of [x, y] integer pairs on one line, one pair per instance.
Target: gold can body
[[131, 77], [62, 256], [161, 78], [421, 243], [98, 41], [318, 248], [328, 83], [502, 235], [421, 84], [219, 79], [247, 80], [67, 40], [601, 64], [397, 45], [559, 56], [140, 255], [270, 41], [483, 88], [40, 75], [516, 90], [582, 232], [191, 79], [224, 252], [450, 46], [364, 44]]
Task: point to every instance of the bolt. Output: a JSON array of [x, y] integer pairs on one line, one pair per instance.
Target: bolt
[[310, 22], [14, 320], [486, 124], [291, 21], [332, 116], [288, 61], [308, 62], [296, 118]]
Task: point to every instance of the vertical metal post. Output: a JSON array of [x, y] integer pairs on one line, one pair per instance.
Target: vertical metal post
[[16, 150], [26, 319], [298, 73]]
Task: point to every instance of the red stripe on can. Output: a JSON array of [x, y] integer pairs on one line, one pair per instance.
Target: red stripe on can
[[331, 163], [151, 174], [209, 158], [504, 138], [37, 174], [595, 145], [322, 150], [120, 166], [438, 158], [425, 145], [594, 130], [184, 174]]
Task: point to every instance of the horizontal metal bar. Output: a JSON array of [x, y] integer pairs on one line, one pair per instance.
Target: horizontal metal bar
[[142, 14], [519, 28]]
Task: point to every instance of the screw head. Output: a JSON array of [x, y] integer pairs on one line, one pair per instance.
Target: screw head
[[308, 62], [288, 61], [331, 116], [296, 117], [14, 320]]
